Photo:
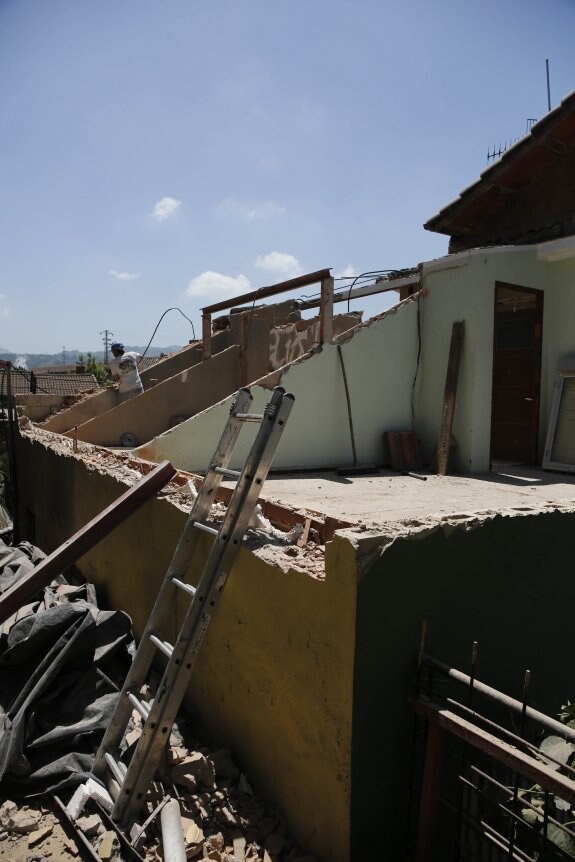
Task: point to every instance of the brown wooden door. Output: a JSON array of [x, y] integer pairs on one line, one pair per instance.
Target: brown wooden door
[[516, 373]]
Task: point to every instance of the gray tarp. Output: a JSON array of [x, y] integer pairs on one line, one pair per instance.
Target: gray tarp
[[60, 666]]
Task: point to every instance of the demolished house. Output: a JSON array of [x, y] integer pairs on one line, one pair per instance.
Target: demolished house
[[308, 669]]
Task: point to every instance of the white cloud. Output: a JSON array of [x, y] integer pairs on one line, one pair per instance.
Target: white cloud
[[123, 276], [4, 311], [165, 208], [348, 272], [217, 284], [279, 262], [256, 211]]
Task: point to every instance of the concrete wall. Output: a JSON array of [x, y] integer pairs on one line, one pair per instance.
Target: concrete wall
[[506, 584], [39, 405], [150, 413], [82, 411], [274, 680], [380, 364]]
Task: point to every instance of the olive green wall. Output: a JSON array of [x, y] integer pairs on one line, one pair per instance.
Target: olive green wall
[[507, 584], [462, 287]]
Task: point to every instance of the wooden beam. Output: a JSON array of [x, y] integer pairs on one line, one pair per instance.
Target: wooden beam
[[273, 290], [326, 311], [206, 336], [447, 414], [430, 791], [85, 539], [546, 776]]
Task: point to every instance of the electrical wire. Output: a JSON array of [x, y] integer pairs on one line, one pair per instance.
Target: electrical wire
[[419, 294], [363, 277], [174, 308]]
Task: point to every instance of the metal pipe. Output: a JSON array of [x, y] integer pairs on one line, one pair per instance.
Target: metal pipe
[[516, 705], [172, 834]]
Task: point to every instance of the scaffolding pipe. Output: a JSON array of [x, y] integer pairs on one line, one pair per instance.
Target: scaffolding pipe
[[551, 724], [172, 834]]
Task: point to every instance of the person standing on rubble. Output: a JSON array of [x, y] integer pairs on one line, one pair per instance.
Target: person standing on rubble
[[124, 370]]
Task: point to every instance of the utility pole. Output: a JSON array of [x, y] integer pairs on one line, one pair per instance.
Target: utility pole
[[106, 339], [64, 355]]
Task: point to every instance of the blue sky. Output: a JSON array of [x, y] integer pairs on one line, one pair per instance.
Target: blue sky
[[159, 154]]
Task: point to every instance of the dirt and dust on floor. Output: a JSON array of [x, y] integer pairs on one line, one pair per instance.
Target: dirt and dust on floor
[[62, 663]]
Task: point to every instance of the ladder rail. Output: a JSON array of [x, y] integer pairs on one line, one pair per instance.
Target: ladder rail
[[180, 562], [161, 713], [175, 680]]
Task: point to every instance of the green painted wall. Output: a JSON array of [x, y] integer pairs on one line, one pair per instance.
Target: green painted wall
[[506, 584], [462, 287], [379, 362]]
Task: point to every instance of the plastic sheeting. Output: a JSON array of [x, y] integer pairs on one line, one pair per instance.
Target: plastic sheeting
[[62, 660]]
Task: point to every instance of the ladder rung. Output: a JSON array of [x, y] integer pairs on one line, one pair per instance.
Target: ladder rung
[[199, 526], [115, 768], [164, 646], [139, 705], [233, 474], [187, 588], [250, 417]]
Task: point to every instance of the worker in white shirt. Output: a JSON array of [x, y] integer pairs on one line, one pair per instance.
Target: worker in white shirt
[[124, 368]]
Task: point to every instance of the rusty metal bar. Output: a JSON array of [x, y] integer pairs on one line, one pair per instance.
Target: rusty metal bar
[[496, 748], [430, 791], [477, 716], [85, 539], [272, 290], [516, 705]]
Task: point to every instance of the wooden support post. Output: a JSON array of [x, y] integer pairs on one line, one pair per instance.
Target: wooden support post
[[244, 328], [84, 539], [430, 791], [206, 335], [446, 426], [326, 311]]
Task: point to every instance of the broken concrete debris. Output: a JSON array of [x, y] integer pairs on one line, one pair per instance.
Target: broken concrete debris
[[62, 642]]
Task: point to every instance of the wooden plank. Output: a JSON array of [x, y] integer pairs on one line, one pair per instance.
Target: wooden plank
[[430, 792], [326, 312], [206, 336], [273, 290], [510, 756], [445, 428], [85, 539]]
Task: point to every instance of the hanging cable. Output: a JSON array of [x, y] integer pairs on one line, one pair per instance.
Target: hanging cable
[[174, 308]]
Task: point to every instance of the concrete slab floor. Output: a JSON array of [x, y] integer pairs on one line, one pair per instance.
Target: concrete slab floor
[[387, 496]]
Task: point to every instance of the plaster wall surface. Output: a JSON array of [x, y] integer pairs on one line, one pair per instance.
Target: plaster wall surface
[[379, 362], [82, 411], [37, 406], [464, 289], [274, 680], [150, 413]]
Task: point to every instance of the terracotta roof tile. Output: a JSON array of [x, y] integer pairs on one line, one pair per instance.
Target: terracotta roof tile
[[51, 384]]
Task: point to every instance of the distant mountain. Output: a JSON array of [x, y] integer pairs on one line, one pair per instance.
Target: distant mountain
[[34, 360]]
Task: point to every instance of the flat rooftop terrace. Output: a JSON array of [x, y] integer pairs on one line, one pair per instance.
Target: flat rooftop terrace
[[387, 497]]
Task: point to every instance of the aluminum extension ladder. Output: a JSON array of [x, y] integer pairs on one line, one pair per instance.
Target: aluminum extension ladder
[[129, 783]]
